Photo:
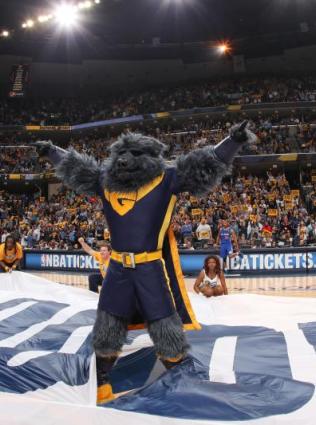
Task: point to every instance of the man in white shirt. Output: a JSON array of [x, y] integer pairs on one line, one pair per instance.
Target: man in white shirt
[[4, 236], [37, 234], [204, 232]]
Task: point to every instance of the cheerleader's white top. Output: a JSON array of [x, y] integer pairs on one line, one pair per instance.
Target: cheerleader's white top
[[212, 282]]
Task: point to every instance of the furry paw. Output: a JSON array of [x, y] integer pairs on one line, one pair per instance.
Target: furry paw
[[43, 147], [241, 134]]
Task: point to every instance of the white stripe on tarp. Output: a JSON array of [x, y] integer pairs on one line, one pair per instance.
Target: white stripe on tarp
[[26, 356], [138, 343], [76, 339], [302, 356], [71, 346], [222, 360], [11, 311], [59, 318]]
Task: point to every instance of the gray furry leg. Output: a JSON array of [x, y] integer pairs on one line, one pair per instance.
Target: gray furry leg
[[168, 337], [109, 334]]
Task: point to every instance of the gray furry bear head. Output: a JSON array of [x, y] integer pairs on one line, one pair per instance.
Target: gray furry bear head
[[134, 161]]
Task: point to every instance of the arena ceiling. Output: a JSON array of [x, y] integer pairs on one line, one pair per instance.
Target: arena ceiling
[[130, 22]]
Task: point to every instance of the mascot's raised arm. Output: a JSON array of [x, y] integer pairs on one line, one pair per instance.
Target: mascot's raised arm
[[144, 283]]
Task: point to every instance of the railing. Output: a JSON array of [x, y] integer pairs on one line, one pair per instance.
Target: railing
[[212, 110], [249, 161]]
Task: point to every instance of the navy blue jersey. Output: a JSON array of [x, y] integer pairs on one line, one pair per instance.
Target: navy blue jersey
[[138, 220]]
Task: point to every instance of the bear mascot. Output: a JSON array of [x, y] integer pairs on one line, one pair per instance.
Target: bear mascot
[[144, 285]]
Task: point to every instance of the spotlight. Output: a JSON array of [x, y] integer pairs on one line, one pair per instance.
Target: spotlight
[[87, 4], [97, 1], [5, 33], [223, 48], [43, 18], [29, 23], [66, 15]]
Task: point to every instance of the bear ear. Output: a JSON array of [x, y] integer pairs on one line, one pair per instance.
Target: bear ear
[[153, 146]]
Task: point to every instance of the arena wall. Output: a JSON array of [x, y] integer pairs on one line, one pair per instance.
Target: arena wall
[[99, 77]]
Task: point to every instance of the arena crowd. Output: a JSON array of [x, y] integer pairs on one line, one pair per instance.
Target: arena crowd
[[264, 212], [248, 90], [274, 136]]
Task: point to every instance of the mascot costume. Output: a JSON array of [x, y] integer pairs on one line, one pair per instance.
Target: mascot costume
[[144, 285]]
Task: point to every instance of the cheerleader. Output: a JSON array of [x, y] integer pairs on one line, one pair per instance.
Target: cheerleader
[[211, 281]]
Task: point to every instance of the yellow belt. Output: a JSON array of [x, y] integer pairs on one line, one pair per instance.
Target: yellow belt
[[129, 259]]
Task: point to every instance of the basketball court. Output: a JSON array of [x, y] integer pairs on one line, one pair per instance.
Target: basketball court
[[284, 286]]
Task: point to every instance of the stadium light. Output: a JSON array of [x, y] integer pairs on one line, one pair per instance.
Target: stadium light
[[87, 4], [44, 18], [29, 23], [5, 33], [223, 48], [66, 15]]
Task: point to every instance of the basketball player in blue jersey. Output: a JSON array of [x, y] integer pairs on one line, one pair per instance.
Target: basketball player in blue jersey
[[227, 240], [144, 284]]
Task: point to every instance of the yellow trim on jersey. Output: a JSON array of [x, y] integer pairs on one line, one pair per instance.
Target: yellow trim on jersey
[[166, 221], [143, 191], [168, 281], [176, 262], [122, 203]]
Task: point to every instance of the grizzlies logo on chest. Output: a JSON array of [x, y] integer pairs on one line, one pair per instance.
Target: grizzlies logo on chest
[[122, 203]]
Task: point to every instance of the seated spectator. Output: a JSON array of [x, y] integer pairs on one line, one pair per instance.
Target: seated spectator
[[204, 233], [11, 255], [187, 231]]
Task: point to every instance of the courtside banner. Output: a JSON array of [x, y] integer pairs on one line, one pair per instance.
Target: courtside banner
[[253, 362], [62, 260], [252, 262], [274, 261]]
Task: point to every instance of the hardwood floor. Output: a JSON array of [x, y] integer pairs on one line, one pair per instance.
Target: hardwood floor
[[294, 286]]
